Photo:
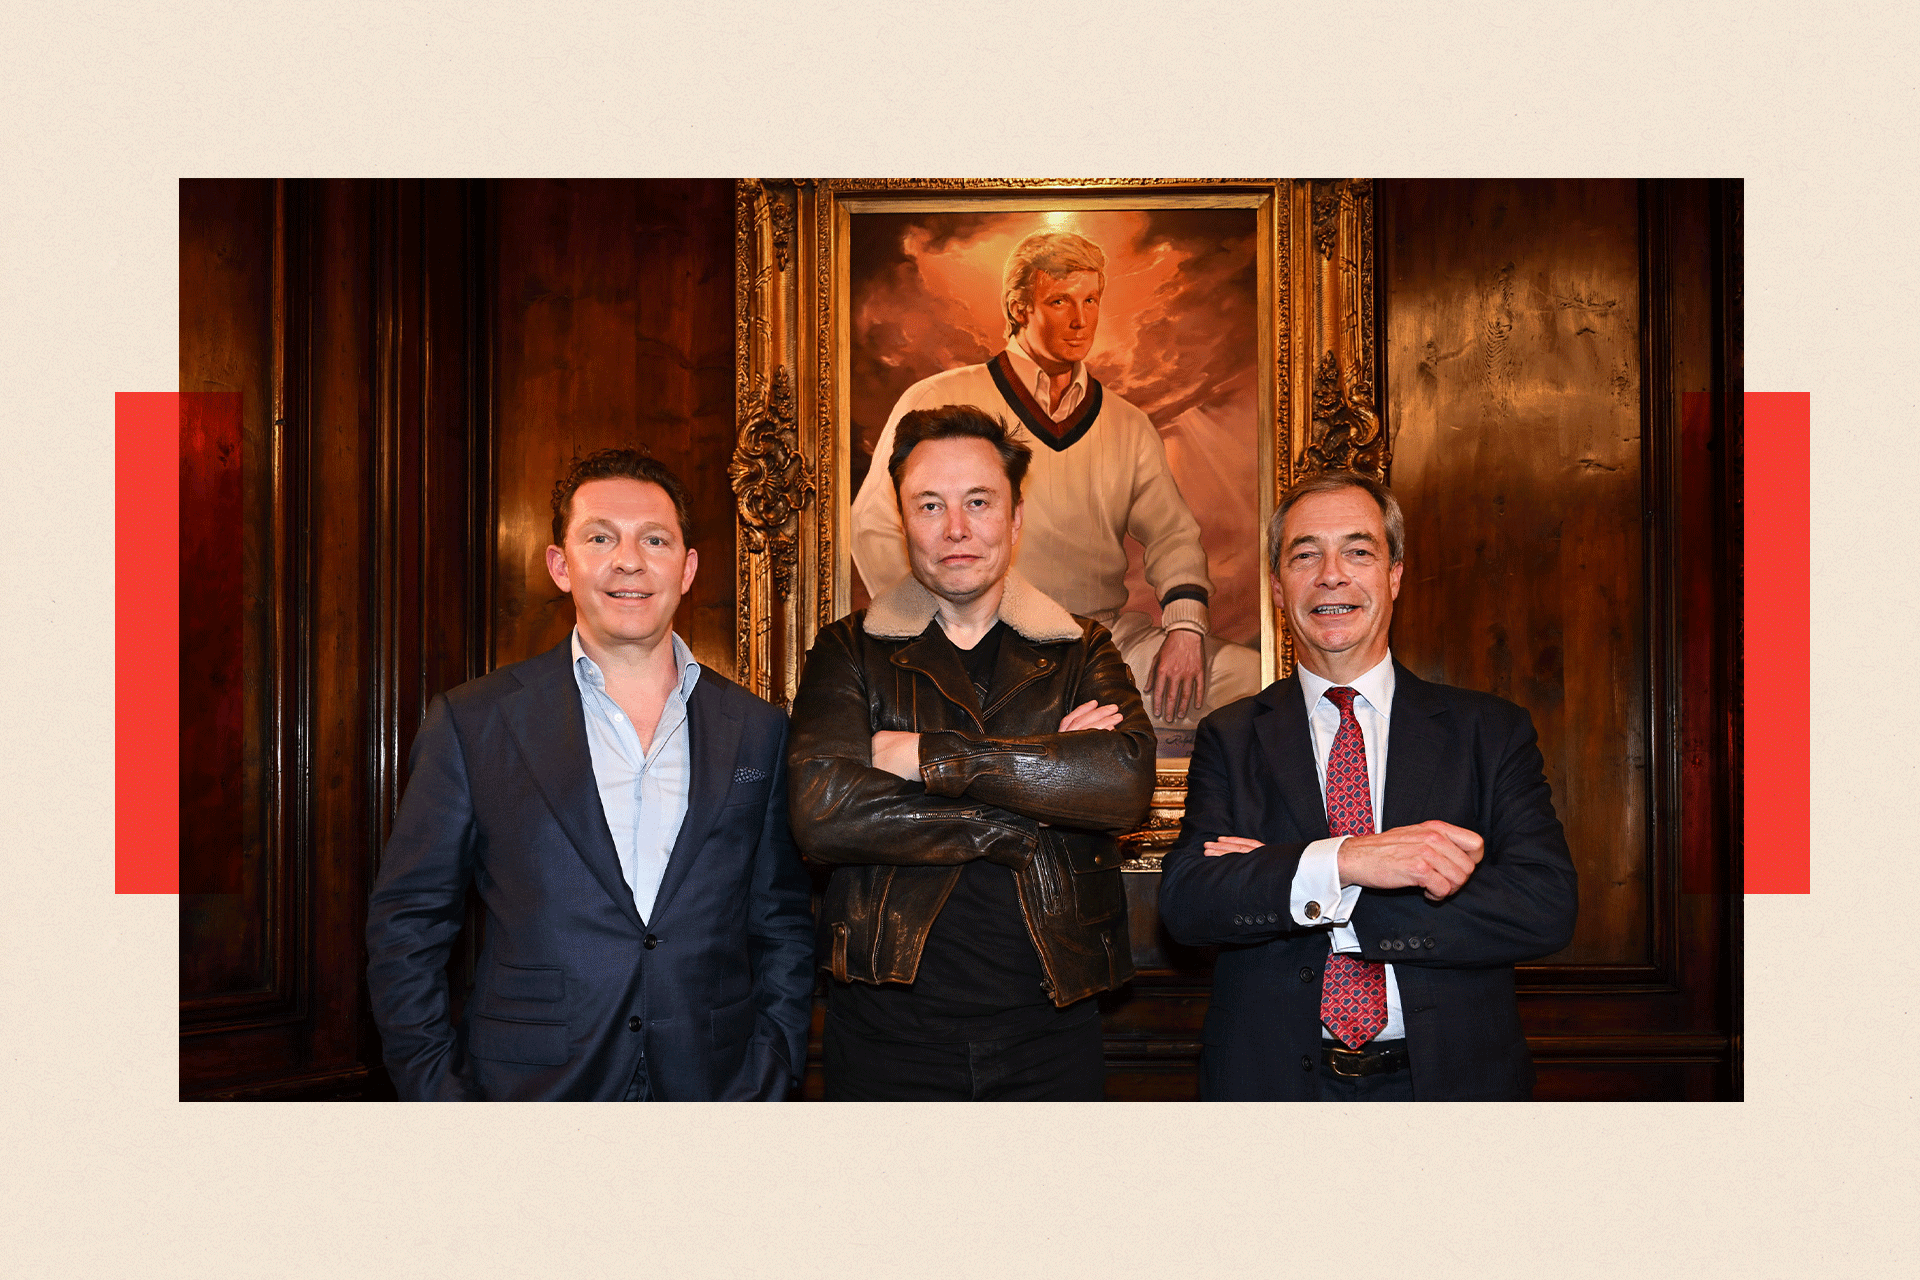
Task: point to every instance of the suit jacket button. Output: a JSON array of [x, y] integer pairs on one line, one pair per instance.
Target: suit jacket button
[[650, 942], [1385, 945], [1428, 944], [1313, 911], [633, 1024], [1399, 945], [1306, 1062], [1306, 973]]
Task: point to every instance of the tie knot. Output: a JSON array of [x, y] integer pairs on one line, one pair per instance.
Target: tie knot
[[1342, 697]]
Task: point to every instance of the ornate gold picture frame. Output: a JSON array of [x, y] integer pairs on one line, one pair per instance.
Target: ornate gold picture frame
[[1312, 363]]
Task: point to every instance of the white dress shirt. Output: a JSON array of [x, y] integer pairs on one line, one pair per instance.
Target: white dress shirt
[[1040, 382], [1317, 879], [644, 793]]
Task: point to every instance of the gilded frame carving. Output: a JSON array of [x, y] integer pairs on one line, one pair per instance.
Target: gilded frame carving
[[789, 470]]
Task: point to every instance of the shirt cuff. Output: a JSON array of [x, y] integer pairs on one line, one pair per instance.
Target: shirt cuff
[[1318, 897], [1184, 615]]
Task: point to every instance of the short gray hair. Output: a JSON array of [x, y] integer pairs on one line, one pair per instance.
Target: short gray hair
[[1059, 254], [1334, 482]]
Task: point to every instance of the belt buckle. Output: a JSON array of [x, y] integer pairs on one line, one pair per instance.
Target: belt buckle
[[1359, 1057]]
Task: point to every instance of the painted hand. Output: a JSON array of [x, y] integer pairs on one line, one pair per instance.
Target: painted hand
[[1179, 678]]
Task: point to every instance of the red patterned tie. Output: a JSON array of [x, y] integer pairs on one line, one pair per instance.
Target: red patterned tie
[[1353, 994]]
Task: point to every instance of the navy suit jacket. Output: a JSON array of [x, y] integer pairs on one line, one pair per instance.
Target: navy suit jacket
[[1467, 758], [571, 986]]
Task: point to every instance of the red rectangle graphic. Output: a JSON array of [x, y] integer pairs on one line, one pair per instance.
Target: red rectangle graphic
[[1777, 705], [146, 648]]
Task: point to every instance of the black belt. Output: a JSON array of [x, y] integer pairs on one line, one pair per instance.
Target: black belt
[[1374, 1059]]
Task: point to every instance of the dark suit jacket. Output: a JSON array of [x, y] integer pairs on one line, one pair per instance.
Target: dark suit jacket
[[1466, 758], [571, 985]]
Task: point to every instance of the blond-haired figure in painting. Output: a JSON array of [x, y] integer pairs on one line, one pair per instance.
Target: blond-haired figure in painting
[[1099, 476]]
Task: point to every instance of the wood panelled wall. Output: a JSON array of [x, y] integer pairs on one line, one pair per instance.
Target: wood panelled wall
[[1559, 357], [615, 328], [352, 320], [415, 362]]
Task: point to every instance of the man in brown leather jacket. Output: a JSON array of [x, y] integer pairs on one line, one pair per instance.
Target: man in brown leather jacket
[[962, 754]]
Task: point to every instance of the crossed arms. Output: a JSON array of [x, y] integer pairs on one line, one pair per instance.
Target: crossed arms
[[941, 796], [1495, 897]]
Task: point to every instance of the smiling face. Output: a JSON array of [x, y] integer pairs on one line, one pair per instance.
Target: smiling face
[[961, 521], [1060, 321], [1335, 586], [625, 563]]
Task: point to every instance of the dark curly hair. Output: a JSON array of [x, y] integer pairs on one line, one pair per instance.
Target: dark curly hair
[[616, 464]]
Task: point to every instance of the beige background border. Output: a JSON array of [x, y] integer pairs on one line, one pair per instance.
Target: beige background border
[[108, 105]]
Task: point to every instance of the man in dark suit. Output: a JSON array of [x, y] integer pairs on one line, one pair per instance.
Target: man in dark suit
[[622, 813], [1359, 960]]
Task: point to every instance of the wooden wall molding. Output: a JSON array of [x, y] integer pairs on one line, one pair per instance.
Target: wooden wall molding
[[278, 835], [375, 596]]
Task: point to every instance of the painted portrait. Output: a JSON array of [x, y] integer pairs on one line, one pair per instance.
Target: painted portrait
[[1145, 493]]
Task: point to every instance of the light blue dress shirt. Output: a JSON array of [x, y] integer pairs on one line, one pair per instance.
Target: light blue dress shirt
[[644, 793]]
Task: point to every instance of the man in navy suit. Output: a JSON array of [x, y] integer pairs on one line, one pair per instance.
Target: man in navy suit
[[1363, 960], [622, 813]]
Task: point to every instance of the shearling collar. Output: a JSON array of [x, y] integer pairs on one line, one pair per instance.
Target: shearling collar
[[904, 610]]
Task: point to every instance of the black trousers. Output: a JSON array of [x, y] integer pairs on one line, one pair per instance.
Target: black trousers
[[1056, 1065]]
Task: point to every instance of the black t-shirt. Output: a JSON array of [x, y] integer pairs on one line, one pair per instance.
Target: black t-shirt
[[979, 976]]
